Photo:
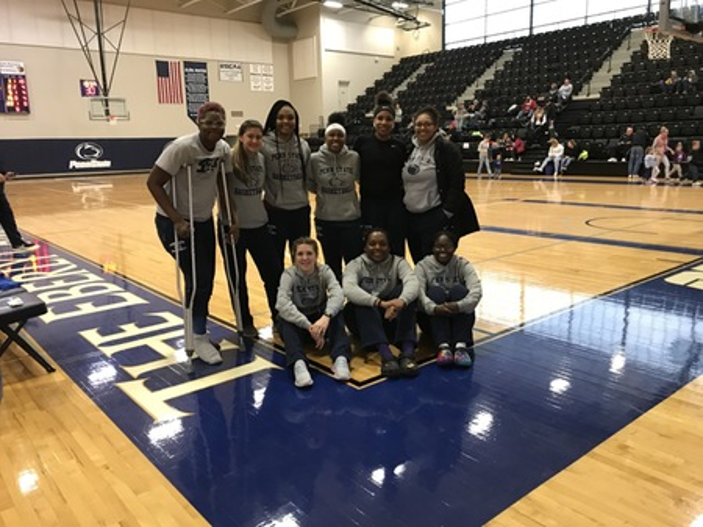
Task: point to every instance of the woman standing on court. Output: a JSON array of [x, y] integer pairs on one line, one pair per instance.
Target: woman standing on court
[[433, 180], [286, 158], [381, 290], [310, 304], [245, 188], [202, 154], [380, 185], [334, 171]]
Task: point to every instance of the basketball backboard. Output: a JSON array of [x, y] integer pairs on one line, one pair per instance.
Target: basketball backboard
[[681, 19], [108, 109]]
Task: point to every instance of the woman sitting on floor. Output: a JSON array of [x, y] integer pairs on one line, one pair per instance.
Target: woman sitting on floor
[[309, 308], [381, 290], [450, 290]]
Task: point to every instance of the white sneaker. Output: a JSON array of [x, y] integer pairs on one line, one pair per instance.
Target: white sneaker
[[696, 184], [341, 369], [205, 351], [302, 375]]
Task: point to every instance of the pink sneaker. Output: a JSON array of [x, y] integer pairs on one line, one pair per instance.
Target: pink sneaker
[[445, 357]]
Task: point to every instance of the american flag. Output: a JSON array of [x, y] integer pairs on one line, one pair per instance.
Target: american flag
[[168, 82]]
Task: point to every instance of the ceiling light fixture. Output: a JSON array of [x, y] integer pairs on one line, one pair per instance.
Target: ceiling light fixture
[[333, 4], [400, 5]]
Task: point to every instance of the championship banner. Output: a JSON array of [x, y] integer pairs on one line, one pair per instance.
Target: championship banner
[[197, 91]]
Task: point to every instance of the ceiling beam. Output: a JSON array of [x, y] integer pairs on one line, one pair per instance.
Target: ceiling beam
[[188, 3], [242, 7]]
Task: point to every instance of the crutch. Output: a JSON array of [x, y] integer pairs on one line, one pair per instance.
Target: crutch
[[230, 252], [186, 304]]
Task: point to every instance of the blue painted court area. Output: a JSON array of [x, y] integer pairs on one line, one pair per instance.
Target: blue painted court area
[[449, 448]]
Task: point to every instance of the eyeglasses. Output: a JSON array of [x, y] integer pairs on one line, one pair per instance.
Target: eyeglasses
[[212, 124], [424, 124]]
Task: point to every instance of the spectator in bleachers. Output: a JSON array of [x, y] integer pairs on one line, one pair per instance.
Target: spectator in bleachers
[[634, 161], [484, 156], [553, 93], [506, 146], [528, 107], [621, 149], [566, 90], [481, 114], [555, 155], [689, 82], [695, 163], [461, 116], [537, 122], [552, 130], [572, 151], [518, 147], [672, 84]]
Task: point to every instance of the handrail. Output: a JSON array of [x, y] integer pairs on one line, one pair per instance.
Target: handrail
[[608, 53]]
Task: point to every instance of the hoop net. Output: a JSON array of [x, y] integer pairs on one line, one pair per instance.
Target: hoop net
[[658, 44]]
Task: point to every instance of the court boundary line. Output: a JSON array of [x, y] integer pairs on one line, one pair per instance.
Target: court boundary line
[[480, 341], [610, 206], [596, 240]]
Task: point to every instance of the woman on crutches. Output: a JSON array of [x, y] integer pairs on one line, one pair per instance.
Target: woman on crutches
[[184, 183], [245, 189]]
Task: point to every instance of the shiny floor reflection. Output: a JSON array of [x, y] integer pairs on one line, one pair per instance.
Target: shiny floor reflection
[[449, 448]]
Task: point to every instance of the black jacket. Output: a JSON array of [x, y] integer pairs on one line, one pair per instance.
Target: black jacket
[[450, 180]]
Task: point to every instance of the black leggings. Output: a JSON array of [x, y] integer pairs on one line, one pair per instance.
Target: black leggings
[[204, 232]]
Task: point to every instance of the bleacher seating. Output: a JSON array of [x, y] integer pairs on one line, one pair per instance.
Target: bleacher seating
[[539, 60]]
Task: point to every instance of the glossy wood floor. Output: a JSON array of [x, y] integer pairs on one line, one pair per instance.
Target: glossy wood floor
[[63, 462]]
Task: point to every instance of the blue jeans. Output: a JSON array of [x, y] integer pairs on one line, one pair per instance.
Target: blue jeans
[[634, 162], [370, 326], [455, 328], [294, 337]]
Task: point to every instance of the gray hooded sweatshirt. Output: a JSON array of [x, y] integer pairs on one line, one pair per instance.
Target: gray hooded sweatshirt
[[285, 173], [457, 271], [333, 178], [420, 178], [246, 194], [300, 295], [365, 281]]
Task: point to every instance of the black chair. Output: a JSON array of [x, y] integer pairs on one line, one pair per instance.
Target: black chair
[[647, 102], [638, 116], [17, 306], [683, 113], [674, 129], [623, 117], [688, 129], [667, 114], [611, 132]]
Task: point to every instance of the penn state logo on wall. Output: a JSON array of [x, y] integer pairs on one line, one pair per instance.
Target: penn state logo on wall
[[88, 151], [89, 156]]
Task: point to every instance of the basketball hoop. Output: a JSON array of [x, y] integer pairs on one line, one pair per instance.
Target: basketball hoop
[[658, 44]]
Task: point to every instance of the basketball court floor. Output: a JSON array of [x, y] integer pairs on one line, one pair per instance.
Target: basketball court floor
[[585, 405]]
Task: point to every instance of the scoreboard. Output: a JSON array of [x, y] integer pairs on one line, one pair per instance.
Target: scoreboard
[[14, 96]]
